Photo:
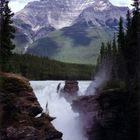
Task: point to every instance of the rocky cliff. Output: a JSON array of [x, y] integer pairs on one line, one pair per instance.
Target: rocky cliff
[[18, 110], [110, 115]]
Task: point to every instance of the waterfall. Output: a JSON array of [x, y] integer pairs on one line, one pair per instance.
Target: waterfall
[[66, 120]]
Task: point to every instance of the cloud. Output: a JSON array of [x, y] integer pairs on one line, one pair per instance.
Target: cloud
[[17, 5], [21, 1], [121, 2]]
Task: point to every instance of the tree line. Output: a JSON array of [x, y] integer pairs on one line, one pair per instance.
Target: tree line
[[43, 68], [123, 52], [7, 31]]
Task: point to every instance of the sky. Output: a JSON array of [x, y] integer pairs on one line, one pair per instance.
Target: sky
[[17, 5]]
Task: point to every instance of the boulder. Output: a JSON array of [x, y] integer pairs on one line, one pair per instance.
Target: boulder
[[70, 91], [71, 87]]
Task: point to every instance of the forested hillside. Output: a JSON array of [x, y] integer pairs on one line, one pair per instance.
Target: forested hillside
[[42, 68], [121, 56]]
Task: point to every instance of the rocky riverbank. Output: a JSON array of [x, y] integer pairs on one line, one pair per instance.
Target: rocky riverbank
[[109, 115], [18, 110]]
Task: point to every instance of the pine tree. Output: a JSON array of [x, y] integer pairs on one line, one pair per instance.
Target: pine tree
[[114, 46], [136, 4], [120, 40], [128, 24], [109, 50], [128, 34], [102, 51], [7, 33], [134, 44]]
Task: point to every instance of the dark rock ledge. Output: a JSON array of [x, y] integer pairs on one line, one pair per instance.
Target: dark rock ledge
[[18, 108], [110, 115]]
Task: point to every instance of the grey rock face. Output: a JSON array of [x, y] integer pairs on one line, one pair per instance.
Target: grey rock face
[[62, 13], [107, 15], [57, 13]]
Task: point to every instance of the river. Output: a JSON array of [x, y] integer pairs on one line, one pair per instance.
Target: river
[[66, 120]]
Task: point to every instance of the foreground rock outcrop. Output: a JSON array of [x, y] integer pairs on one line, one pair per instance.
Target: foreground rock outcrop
[[18, 110], [112, 114]]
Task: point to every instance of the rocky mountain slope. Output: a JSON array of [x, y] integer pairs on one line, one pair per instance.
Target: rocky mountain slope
[[18, 110], [76, 44], [40, 18]]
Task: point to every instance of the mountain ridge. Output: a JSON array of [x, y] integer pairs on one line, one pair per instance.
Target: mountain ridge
[[40, 18]]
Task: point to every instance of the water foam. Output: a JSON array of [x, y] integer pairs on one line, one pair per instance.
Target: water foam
[[66, 120]]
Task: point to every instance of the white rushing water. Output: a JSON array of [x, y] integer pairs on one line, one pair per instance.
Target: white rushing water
[[66, 120]]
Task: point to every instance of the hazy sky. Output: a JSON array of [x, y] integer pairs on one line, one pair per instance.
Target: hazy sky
[[17, 5]]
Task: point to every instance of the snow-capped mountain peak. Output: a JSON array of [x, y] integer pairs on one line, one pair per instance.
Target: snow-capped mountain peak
[[57, 13], [38, 18]]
